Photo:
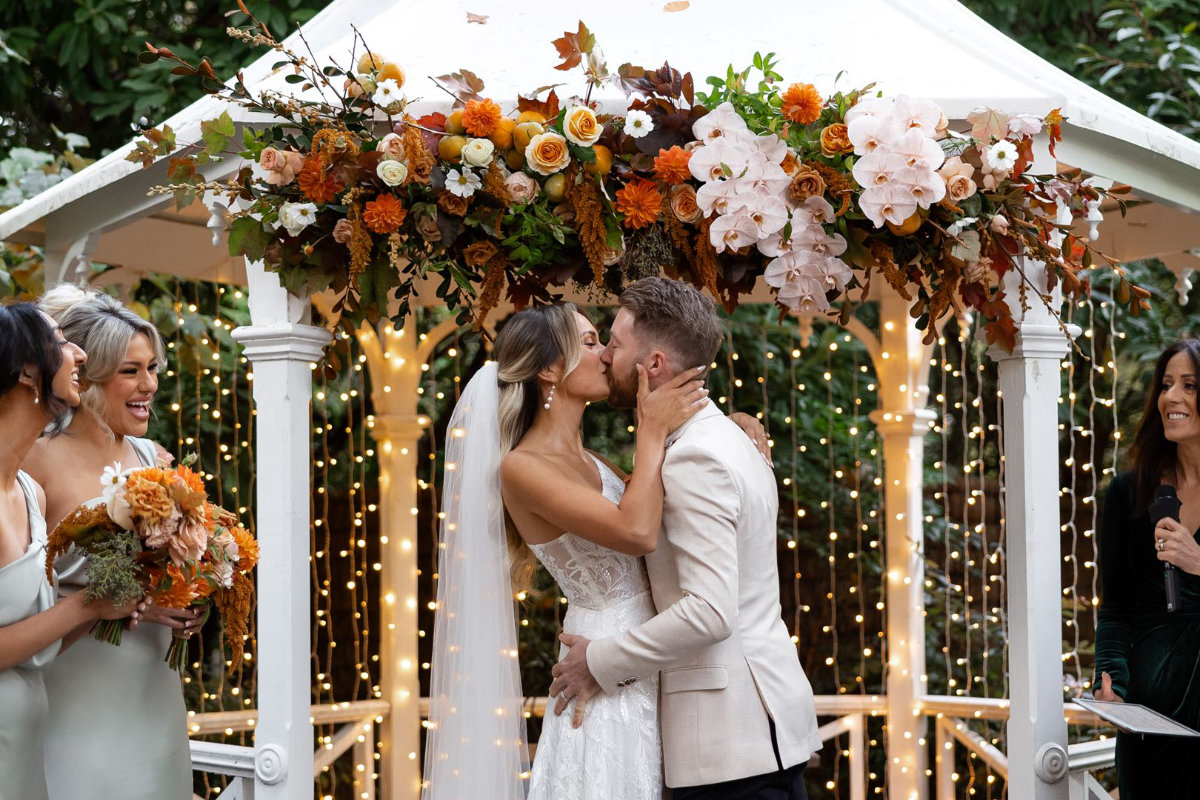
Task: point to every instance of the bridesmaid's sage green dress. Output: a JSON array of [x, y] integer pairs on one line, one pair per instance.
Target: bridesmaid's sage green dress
[[117, 715], [25, 591], [1153, 657]]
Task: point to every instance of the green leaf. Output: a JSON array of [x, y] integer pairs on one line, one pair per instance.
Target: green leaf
[[248, 238], [216, 133]]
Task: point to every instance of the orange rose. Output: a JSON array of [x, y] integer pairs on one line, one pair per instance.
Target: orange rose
[[806, 183], [835, 141], [479, 253], [452, 204], [547, 153]]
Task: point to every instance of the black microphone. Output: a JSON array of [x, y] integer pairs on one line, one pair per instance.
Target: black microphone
[[1166, 504]]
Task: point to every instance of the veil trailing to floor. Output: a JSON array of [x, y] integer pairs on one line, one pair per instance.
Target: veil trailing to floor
[[475, 743]]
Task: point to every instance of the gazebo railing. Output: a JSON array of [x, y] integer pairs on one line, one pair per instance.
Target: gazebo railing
[[950, 716], [357, 722]]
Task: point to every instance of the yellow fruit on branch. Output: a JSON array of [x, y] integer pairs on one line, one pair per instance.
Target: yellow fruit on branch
[[502, 136], [450, 147], [531, 116], [390, 71], [555, 187], [523, 132], [909, 226], [368, 61], [454, 123], [603, 163]]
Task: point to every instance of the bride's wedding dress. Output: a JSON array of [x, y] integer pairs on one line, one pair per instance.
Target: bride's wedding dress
[[616, 754]]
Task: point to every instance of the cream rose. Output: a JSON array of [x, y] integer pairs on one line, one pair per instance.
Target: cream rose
[[547, 153], [521, 187], [683, 204], [478, 152], [391, 172], [581, 126], [392, 146]]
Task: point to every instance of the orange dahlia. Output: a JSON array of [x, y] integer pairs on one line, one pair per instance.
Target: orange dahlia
[[671, 166], [802, 103], [317, 185], [384, 214], [640, 202], [481, 117], [179, 594], [247, 548], [189, 477]]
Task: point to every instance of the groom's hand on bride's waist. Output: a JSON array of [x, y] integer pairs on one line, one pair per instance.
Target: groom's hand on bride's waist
[[573, 680]]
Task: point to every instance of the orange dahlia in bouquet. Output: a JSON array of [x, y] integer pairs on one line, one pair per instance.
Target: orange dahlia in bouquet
[[155, 533]]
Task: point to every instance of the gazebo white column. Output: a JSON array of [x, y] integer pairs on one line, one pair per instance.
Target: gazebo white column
[[282, 347], [902, 419], [394, 361], [1030, 384]]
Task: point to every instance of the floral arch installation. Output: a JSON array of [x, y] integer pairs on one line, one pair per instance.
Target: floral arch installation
[[813, 385]]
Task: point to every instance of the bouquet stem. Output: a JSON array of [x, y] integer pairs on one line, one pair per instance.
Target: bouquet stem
[[109, 630], [177, 653]]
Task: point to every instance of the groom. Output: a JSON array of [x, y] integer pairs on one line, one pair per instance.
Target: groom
[[737, 711]]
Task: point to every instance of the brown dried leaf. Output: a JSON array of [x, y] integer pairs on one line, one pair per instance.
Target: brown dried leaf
[[479, 19], [572, 47], [988, 124]]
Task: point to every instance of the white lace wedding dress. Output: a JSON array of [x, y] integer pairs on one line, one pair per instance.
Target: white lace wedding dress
[[616, 754]]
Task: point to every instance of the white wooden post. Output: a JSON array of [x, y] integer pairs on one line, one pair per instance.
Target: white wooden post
[[902, 419], [1030, 385], [282, 347], [394, 359]]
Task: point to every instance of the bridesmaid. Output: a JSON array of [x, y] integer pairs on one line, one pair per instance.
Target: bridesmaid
[[39, 384], [100, 694]]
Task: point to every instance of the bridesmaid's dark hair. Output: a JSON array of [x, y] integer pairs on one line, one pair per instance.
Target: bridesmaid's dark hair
[[1153, 457], [27, 340]]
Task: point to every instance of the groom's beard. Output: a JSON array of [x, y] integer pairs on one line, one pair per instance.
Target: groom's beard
[[622, 391]]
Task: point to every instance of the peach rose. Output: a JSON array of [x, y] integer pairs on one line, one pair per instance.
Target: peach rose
[[581, 126], [547, 153], [421, 170], [806, 183], [683, 204], [959, 188], [188, 543], [342, 231], [613, 255], [835, 141], [392, 146], [521, 187], [281, 166]]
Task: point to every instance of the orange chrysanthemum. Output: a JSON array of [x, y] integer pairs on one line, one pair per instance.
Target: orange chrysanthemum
[[640, 202], [190, 478], [179, 594], [481, 117], [671, 166], [247, 548], [317, 185], [802, 103], [384, 214]]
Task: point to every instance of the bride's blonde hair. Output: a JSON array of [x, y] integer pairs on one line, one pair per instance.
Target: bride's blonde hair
[[530, 341]]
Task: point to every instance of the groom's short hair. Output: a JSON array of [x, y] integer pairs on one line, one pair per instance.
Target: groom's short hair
[[676, 317]]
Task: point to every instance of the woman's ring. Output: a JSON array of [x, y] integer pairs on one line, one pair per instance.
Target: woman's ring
[[1160, 544]]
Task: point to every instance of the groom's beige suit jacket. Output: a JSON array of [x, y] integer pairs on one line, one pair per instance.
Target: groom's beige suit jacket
[[725, 658]]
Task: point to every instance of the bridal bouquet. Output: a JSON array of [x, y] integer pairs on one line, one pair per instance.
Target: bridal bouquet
[[155, 533], [817, 193]]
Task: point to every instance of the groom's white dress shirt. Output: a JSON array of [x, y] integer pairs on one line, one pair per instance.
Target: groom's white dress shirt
[[726, 659]]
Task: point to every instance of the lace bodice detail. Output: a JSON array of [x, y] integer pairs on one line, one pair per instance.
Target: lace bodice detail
[[589, 574]]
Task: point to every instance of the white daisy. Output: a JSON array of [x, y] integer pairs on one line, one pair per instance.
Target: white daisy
[[462, 183]]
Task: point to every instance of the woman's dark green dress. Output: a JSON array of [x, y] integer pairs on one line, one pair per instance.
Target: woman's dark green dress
[[1153, 657]]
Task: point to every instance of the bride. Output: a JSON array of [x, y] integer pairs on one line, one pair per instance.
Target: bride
[[520, 484]]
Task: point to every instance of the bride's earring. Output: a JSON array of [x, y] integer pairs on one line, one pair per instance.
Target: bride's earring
[[36, 398], [550, 396]]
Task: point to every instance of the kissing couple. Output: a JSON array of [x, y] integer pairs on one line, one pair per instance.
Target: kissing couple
[[677, 668]]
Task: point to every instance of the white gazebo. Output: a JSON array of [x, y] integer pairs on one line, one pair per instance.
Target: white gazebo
[[928, 48]]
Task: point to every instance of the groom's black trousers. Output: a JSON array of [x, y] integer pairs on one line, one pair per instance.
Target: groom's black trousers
[[785, 784]]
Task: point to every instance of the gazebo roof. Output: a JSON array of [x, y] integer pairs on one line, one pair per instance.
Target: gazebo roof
[[928, 48]]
